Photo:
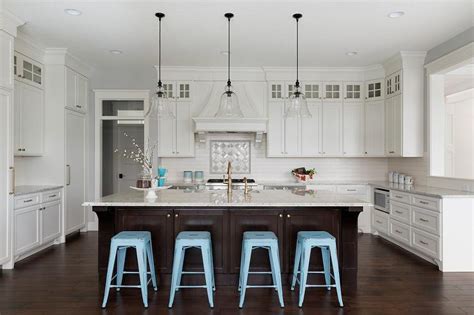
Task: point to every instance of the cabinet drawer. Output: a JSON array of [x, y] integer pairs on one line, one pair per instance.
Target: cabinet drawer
[[322, 187], [400, 197], [380, 221], [26, 201], [352, 189], [426, 202], [400, 211], [426, 220], [400, 231], [426, 243], [51, 196]]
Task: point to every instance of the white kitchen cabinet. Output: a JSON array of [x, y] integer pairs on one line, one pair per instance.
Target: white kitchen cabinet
[[176, 136], [332, 91], [331, 128], [375, 128], [374, 90], [283, 134], [27, 229], [75, 216], [27, 70], [37, 222], [353, 91], [29, 120], [76, 91], [353, 128], [313, 91]]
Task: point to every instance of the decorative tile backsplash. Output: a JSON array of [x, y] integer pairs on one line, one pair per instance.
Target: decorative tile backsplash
[[237, 152]]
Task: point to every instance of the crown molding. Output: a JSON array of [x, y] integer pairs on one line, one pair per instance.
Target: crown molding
[[61, 56], [9, 22]]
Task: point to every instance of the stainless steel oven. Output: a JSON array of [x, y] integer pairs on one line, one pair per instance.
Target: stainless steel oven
[[382, 199]]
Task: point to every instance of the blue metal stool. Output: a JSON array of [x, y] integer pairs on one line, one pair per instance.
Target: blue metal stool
[[269, 241], [141, 241], [186, 240], [306, 241]]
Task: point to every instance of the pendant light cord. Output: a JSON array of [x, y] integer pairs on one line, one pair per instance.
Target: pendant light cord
[[297, 84], [228, 52], [159, 52]]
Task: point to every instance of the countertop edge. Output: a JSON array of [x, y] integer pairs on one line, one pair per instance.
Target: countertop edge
[[35, 189], [461, 194]]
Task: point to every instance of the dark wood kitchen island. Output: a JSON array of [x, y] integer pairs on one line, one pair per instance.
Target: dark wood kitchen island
[[283, 212]]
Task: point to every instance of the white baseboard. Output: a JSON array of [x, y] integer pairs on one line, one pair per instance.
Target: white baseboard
[[93, 226]]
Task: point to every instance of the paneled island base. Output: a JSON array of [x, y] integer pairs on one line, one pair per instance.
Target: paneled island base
[[227, 225]]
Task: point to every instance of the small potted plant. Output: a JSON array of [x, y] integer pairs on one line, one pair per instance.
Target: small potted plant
[[303, 175]]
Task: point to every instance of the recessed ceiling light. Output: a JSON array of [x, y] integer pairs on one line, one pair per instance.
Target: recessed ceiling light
[[351, 53], [396, 14], [73, 12], [115, 51], [224, 52]]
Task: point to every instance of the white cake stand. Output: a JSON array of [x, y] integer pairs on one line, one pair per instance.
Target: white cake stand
[[151, 192]]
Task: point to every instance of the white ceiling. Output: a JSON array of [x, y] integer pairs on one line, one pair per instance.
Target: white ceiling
[[194, 32]]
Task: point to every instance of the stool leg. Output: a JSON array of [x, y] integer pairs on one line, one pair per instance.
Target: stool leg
[[244, 271], [335, 268], [142, 270], [207, 274], [121, 254], [110, 271], [296, 266], [212, 268], [180, 270], [276, 272], [178, 251], [242, 252], [306, 250], [327, 265], [272, 267], [151, 262]]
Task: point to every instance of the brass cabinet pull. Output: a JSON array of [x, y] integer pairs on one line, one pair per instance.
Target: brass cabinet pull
[[399, 212], [12, 169], [398, 231], [424, 243], [424, 220], [379, 222]]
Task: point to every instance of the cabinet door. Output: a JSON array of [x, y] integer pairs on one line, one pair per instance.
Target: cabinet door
[[31, 71], [397, 82], [353, 91], [170, 90], [32, 120], [313, 91], [308, 220], [50, 221], [253, 220], [184, 92], [71, 89], [27, 233], [275, 133], [374, 90], [397, 124], [276, 91], [375, 128], [160, 224], [291, 134], [17, 96], [81, 92], [75, 171], [214, 221], [332, 128], [353, 129], [311, 131], [184, 130], [332, 91], [167, 134]]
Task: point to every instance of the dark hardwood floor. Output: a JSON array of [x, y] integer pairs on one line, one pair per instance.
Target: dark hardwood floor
[[63, 280]]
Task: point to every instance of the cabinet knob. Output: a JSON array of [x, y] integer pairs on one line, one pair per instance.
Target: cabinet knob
[[280, 215], [168, 215], [288, 216], [366, 152], [176, 215]]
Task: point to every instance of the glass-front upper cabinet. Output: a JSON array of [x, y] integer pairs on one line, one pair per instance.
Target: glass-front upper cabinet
[[280, 90], [332, 91], [373, 90], [168, 88], [184, 91], [353, 91], [27, 70], [312, 91]]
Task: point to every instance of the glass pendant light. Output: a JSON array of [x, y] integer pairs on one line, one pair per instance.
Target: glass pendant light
[[229, 103], [160, 107], [298, 107]]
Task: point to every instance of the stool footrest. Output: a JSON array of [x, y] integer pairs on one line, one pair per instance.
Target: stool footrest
[[193, 272], [320, 285], [259, 272], [190, 286], [260, 286]]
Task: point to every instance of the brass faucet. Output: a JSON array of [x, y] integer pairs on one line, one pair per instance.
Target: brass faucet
[[246, 186], [229, 178]]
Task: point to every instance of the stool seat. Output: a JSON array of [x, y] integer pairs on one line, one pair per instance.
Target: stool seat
[[190, 239], [306, 241], [141, 241], [260, 239]]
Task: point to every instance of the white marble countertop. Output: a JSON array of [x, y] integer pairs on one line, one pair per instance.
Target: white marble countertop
[[31, 189], [219, 198], [425, 190]]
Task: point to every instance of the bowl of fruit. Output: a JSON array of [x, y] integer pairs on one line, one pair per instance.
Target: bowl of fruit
[[304, 175]]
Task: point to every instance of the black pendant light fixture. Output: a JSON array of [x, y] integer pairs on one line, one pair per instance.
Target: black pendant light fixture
[[160, 107], [298, 107], [229, 103]]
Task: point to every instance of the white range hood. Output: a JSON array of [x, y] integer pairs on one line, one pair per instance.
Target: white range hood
[[249, 99]]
